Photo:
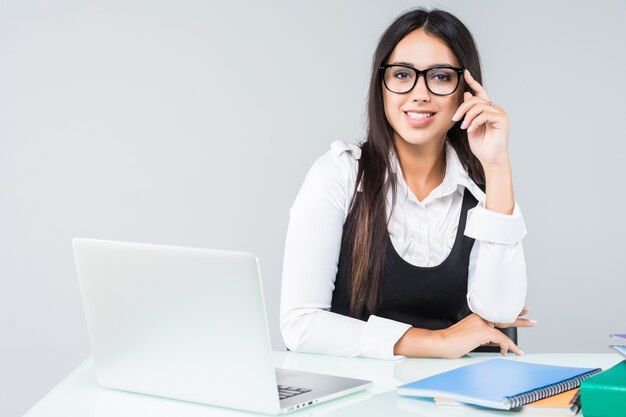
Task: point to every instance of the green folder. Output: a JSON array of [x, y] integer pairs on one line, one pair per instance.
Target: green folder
[[604, 394]]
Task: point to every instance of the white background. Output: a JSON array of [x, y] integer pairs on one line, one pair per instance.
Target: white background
[[194, 122]]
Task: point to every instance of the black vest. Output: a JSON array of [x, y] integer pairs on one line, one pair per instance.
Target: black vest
[[425, 297]]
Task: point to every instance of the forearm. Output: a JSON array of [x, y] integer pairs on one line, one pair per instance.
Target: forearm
[[420, 343], [456, 340], [319, 331], [497, 269], [499, 189], [497, 282]]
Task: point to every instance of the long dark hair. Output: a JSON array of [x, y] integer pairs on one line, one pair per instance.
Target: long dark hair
[[367, 221]]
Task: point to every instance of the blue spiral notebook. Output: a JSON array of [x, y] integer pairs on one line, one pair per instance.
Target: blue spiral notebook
[[499, 383]]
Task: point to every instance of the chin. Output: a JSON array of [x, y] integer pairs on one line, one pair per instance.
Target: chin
[[413, 138]]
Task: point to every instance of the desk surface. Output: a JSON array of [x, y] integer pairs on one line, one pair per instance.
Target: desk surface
[[79, 394]]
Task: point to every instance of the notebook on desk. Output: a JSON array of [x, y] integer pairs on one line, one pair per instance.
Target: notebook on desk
[[188, 324], [499, 383], [621, 349], [566, 403]]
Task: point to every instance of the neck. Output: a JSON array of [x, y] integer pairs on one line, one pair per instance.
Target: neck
[[423, 166]]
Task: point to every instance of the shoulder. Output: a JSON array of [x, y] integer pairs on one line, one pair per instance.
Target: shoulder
[[350, 150], [332, 176], [341, 155], [338, 164]]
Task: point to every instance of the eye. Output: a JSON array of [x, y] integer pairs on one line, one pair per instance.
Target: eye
[[441, 77], [402, 75]]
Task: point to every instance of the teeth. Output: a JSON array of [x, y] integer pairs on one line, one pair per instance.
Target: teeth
[[419, 116]]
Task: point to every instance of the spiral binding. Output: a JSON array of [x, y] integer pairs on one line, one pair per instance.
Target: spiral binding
[[549, 390]]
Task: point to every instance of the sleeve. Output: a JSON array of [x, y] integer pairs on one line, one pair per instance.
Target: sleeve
[[310, 264], [497, 270]]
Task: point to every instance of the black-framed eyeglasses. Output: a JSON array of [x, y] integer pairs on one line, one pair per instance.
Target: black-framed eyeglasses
[[441, 81]]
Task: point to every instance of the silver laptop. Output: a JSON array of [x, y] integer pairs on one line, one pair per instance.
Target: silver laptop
[[188, 324]]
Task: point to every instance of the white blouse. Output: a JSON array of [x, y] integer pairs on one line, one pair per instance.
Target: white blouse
[[422, 233]]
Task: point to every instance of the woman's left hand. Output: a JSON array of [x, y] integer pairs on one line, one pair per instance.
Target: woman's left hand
[[487, 125]]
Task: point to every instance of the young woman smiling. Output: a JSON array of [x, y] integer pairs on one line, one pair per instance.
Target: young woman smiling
[[410, 243]]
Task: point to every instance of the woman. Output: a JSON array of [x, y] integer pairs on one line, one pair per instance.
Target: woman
[[411, 242]]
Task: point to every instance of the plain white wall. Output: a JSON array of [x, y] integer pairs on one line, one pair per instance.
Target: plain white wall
[[193, 123]]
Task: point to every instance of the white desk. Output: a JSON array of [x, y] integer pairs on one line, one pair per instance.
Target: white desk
[[79, 395]]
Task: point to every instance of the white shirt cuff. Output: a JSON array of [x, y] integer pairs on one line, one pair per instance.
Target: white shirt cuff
[[490, 226], [380, 336]]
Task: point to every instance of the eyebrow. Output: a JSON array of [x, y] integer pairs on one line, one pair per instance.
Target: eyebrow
[[413, 66]]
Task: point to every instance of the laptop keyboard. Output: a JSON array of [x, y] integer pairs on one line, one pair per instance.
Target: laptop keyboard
[[285, 391]]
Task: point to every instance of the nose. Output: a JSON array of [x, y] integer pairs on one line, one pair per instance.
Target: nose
[[420, 91]]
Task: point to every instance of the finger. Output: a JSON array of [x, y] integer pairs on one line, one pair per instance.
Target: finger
[[506, 344], [519, 322], [477, 122], [495, 120], [524, 312], [473, 112], [468, 102], [502, 341], [515, 349], [475, 85]]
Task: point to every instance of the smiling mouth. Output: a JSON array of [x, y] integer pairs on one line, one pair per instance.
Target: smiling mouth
[[419, 116]]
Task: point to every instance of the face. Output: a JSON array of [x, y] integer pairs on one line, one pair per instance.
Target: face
[[422, 51]]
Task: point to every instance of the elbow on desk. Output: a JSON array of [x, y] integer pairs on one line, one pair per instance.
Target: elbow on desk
[[501, 302], [502, 313]]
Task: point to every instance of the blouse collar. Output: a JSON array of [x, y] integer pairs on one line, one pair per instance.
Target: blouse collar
[[455, 180]]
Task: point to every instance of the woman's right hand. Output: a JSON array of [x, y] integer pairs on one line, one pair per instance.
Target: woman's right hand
[[474, 331], [459, 339]]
